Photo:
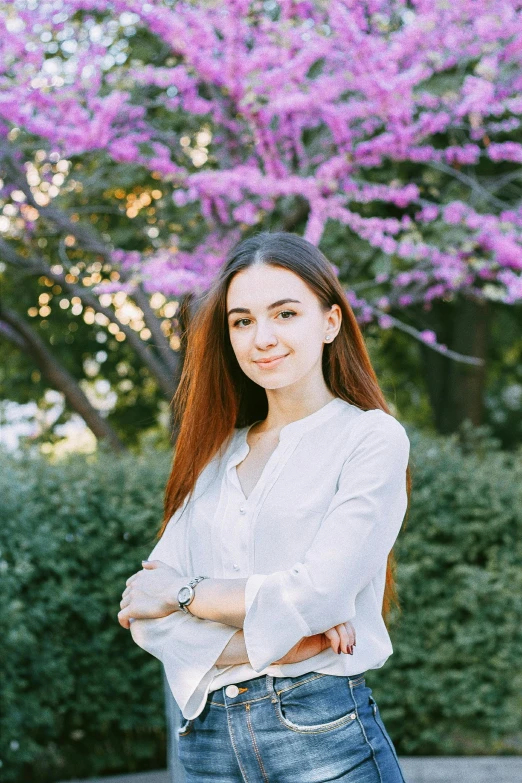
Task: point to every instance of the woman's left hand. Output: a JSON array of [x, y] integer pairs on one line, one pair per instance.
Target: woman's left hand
[[150, 593]]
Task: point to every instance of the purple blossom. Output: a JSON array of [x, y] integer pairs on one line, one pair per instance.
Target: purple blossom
[[428, 336], [368, 107], [385, 322], [454, 212]]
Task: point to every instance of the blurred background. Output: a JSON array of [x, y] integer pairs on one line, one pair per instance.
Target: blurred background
[[138, 143]]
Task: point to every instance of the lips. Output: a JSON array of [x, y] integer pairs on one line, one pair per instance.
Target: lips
[[270, 362]]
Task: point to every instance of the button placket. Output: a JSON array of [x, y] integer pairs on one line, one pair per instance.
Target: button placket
[[277, 468], [220, 567]]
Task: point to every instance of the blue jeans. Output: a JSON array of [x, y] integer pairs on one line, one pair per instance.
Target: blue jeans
[[308, 729]]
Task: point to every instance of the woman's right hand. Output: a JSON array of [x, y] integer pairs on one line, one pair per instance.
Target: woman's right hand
[[341, 638]]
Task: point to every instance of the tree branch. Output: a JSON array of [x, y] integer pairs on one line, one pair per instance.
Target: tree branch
[[39, 267], [90, 241], [60, 378], [469, 181], [170, 359]]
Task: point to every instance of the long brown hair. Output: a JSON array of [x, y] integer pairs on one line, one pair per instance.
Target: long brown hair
[[214, 395]]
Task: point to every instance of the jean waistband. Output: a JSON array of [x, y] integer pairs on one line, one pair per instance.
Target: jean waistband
[[264, 685]]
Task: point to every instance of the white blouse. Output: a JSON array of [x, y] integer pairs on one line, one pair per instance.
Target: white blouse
[[313, 539]]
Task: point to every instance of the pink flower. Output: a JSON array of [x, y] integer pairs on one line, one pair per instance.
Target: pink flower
[[454, 212], [385, 322], [428, 336]]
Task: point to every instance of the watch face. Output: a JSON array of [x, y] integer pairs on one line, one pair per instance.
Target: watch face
[[184, 594]]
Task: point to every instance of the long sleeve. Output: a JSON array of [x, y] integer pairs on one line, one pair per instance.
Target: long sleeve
[[349, 549], [187, 646]]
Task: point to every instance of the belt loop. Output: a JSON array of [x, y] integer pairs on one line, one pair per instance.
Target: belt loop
[[270, 687]]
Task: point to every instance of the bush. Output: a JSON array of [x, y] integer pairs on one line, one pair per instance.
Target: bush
[[79, 698], [454, 682]]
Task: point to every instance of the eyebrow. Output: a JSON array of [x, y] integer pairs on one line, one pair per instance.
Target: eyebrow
[[270, 307]]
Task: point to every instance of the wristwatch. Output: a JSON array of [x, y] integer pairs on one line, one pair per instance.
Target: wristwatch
[[186, 593]]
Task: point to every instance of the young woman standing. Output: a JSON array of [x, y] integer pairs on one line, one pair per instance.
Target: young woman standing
[[289, 486]]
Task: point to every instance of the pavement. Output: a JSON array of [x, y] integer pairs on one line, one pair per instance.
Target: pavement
[[435, 769]]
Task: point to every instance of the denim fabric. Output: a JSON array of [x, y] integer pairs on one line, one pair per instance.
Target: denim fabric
[[312, 728]]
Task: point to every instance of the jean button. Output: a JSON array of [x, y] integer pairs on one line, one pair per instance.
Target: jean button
[[232, 691]]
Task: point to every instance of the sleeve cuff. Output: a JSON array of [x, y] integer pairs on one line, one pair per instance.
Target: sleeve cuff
[[188, 647], [253, 584], [267, 642]]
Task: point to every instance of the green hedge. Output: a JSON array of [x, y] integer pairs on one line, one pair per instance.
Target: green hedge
[[79, 698], [454, 683]]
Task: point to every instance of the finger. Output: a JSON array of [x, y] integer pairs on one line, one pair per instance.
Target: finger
[[354, 633], [123, 618], [335, 640], [346, 646], [125, 602], [350, 630], [126, 592], [153, 564], [131, 579]]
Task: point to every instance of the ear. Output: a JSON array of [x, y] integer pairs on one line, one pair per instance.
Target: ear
[[334, 319]]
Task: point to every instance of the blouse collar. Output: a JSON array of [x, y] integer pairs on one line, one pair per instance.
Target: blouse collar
[[289, 433], [300, 426]]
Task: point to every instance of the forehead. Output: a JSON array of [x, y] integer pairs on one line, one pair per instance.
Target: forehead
[[262, 284]]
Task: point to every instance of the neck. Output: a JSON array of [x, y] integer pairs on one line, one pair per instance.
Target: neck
[[285, 407]]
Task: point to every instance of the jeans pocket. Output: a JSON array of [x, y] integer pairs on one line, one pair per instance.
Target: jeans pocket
[[320, 703]]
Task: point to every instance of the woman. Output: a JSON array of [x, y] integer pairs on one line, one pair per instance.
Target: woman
[[289, 486]]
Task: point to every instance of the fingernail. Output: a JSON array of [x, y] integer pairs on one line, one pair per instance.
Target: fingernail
[[339, 651], [146, 561]]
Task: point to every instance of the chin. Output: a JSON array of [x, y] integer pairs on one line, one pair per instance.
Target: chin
[[277, 383]]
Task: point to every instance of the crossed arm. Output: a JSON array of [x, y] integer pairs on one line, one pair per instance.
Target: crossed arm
[[349, 549], [152, 593]]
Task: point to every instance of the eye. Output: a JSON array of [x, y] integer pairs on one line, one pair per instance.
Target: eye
[[239, 323]]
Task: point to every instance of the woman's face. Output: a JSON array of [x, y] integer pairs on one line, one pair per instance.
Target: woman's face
[[277, 325]]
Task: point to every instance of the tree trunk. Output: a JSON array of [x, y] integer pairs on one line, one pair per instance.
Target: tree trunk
[[59, 378], [456, 389], [162, 373]]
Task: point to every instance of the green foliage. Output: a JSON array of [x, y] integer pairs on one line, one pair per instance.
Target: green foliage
[[81, 699], [454, 681]]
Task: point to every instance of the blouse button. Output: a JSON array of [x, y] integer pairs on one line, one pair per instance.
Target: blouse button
[[236, 567], [242, 510]]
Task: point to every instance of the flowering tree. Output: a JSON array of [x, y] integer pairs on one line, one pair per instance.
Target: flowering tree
[[386, 131]]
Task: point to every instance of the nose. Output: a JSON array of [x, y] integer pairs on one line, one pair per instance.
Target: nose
[[265, 336]]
